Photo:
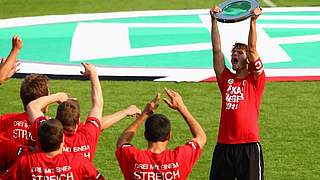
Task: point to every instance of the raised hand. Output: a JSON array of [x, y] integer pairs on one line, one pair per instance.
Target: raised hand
[[15, 68], [152, 106], [9, 66], [214, 11], [133, 111], [62, 97], [16, 43], [89, 70], [175, 101], [256, 13]]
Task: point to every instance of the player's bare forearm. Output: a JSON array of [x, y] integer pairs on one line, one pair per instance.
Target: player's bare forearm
[[252, 38], [97, 98], [195, 128], [34, 108], [218, 58], [96, 91], [109, 120], [10, 62], [128, 134], [252, 41]]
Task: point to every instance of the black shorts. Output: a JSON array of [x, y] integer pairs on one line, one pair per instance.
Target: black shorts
[[237, 161]]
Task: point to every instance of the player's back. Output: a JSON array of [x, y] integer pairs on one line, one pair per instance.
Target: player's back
[[169, 164], [17, 128], [84, 140], [39, 165]]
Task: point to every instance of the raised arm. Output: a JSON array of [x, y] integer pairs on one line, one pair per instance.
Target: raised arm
[[111, 119], [34, 108], [252, 39], [176, 103], [129, 133], [218, 58], [8, 66], [96, 91]]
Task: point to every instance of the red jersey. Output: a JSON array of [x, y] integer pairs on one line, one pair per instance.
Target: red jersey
[[169, 164], [63, 166], [84, 140], [9, 153], [241, 100], [17, 127]]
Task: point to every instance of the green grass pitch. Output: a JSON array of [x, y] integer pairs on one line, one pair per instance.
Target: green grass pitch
[[289, 121]]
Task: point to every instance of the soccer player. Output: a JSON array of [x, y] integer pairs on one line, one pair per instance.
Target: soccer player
[[9, 66], [51, 163], [79, 138], [238, 153], [17, 125], [158, 162]]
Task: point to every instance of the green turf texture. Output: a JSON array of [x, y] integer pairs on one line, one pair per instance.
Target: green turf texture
[[289, 121], [18, 8], [21, 8]]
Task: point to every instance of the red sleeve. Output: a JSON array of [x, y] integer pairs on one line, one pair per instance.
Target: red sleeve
[[223, 75], [93, 127], [124, 152], [124, 155], [35, 126], [260, 80], [223, 78], [259, 83], [188, 154], [94, 121]]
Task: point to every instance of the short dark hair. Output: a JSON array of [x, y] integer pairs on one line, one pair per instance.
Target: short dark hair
[[241, 46], [68, 113], [157, 128], [50, 135], [32, 87]]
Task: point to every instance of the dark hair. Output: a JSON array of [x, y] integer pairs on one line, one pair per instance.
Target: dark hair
[[241, 46], [157, 128], [33, 87], [50, 135], [68, 113]]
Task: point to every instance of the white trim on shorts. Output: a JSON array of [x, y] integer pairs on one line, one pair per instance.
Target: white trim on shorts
[[259, 151]]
